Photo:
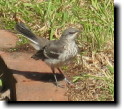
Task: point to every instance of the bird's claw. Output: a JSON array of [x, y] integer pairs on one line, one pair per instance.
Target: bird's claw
[[69, 82]]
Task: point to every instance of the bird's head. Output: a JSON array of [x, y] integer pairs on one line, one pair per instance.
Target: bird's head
[[70, 33]]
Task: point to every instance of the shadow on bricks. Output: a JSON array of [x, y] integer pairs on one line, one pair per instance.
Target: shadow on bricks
[[39, 76]]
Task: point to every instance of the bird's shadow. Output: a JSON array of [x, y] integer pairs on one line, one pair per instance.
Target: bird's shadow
[[39, 76]]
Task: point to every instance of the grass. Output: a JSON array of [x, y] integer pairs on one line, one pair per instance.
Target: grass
[[95, 18], [0, 83], [93, 77]]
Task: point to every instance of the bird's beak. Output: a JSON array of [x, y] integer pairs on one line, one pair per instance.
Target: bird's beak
[[77, 32]]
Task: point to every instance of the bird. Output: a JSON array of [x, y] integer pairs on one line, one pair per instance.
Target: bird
[[54, 53]]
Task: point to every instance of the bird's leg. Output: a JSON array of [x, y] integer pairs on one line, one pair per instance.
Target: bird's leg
[[60, 71], [66, 80], [53, 71], [57, 84]]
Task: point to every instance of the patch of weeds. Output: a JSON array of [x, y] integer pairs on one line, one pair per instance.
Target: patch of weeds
[[82, 76], [64, 67], [107, 87], [22, 40], [12, 49], [95, 18], [102, 98], [111, 69], [0, 83]]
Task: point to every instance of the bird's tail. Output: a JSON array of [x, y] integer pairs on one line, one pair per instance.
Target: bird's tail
[[23, 29]]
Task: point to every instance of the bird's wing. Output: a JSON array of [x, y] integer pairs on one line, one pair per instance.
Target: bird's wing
[[54, 49]]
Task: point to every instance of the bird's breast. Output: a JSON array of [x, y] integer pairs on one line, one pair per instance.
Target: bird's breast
[[70, 51]]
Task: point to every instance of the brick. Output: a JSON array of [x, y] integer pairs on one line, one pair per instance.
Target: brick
[[7, 39], [34, 78]]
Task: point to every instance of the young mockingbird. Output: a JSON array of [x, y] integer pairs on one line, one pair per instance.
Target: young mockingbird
[[54, 52]]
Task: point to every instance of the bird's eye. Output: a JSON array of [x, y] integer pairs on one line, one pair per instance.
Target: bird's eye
[[71, 32]]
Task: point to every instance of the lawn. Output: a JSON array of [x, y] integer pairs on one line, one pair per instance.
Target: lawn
[[92, 71]]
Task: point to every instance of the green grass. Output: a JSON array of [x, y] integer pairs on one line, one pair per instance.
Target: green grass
[[0, 83], [95, 19]]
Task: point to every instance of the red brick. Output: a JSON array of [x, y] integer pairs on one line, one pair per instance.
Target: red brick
[[7, 39], [30, 75]]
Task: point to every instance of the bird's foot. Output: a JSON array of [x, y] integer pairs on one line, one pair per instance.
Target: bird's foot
[[69, 82], [58, 84]]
